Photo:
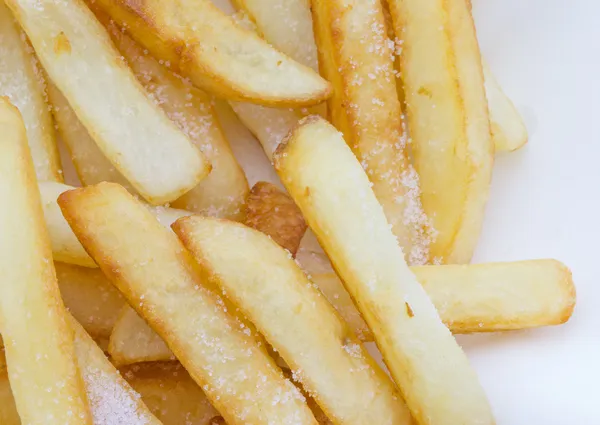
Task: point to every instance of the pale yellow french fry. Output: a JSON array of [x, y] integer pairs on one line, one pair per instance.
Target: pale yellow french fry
[[22, 82], [161, 281], [273, 292], [448, 119], [332, 190], [90, 298], [133, 341], [65, 246], [38, 341], [171, 394], [508, 130], [356, 55], [199, 41], [134, 134]]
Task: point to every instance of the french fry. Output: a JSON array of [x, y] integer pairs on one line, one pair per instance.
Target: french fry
[[22, 82], [38, 341], [508, 130], [223, 192], [277, 297], [132, 132], [90, 298], [133, 341], [356, 55], [198, 41], [8, 409], [448, 119], [171, 394], [65, 246], [273, 212], [330, 187], [161, 281]]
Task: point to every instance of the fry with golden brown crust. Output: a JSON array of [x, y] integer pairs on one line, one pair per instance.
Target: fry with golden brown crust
[[198, 41], [160, 279], [323, 353], [133, 133], [329, 185], [38, 341], [273, 212]]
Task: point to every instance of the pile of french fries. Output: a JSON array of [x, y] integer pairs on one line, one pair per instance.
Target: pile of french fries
[[159, 288]]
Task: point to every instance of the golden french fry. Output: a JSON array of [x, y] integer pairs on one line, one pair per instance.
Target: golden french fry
[[332, 190], [356, 55], [508, 130], [8, 409], [90, 298], [161, 281], [133, 133], [448, 119], [276, 296], [133, 341], [198, 41], [22, 81], [171, 394], [38, 341], [65, 246], [273, 212]]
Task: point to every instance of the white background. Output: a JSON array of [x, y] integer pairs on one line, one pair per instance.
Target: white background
[[545, 203]]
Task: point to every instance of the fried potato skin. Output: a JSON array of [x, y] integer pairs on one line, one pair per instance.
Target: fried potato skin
[[129, 129], [33, 321], [169, 293], [448, 119], [280, 300], [200, 42], [273, 212], [431, 370]]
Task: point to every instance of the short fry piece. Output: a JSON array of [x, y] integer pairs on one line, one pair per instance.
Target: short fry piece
[[171, 394], [356, 56], [37, 337], [429, 367], [322, 351], [273, 212], [160, 279], [448, 119], [133, 341], [508, 130], [65, 246], [133, 133], [22, 82], [200, 42]]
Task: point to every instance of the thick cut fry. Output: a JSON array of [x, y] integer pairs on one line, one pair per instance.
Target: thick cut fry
[[324, 354], [508, 130], [200, 42], [37, 338], [160, 279], [448, 119], [223, 192], [133, 341], [22, 81], [274, 213], [90, 298], [330, 187], [171, 394], [134, 134], [356, 55], [65, 246]]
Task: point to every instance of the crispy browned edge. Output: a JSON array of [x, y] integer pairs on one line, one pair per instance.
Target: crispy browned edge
[[274, 213]]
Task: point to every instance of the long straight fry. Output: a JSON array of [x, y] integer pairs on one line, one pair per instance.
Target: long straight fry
[[333, 192], [325, 356], [160, 279], [38, 340], [448, 119], [22, 82], [133, 133]]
